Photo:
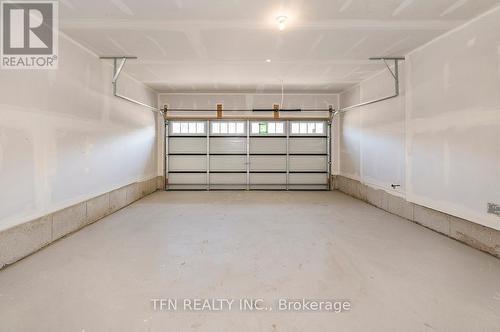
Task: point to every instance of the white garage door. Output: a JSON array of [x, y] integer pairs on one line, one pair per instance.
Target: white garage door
[[247, 155]]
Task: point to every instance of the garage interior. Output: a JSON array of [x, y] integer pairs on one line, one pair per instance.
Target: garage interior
[[338, 151]]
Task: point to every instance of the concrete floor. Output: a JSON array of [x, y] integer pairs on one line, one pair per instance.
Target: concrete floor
[[398, 276]]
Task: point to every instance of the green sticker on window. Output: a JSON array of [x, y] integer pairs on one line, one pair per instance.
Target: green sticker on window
[[262, 128]]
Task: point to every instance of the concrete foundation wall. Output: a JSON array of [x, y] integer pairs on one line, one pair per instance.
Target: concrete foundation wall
[[468, 232], [22, 240]]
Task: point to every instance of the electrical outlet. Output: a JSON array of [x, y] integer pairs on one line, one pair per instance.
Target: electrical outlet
[[494, 209]]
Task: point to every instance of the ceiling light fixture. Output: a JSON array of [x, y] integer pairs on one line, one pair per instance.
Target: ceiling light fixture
[[268, 60], [281, 20]]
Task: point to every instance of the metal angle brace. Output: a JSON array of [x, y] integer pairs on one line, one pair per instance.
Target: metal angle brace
[[395, 75], [117, 69]]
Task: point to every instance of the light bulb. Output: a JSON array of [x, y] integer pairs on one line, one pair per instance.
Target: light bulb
[[281, 22]]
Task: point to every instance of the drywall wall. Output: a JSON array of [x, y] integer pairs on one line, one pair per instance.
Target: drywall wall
[[371, 137], [242, 101], [64, 138], [453, 121], [439, 140]]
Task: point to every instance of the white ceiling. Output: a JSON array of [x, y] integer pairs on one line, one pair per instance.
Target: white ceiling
[[222, 45]]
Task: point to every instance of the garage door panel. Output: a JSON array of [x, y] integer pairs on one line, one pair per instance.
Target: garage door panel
[[308, 145], [272, 162], [227, 163], [225, 179], [187, 187], [187, 145], [228, 186], [308, 163], [267, 181], [267, 145], [267, 163], [268, 187], [267, 178], [187, 163], [308, 178], [187, 178], [228, 145], [306, 187]]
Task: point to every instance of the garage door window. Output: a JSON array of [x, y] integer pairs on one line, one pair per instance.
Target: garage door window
[[228, 127], [268, 128], [179, 127], [308, 128]]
